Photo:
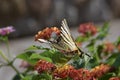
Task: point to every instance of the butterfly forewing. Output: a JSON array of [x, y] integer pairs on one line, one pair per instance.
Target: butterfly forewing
[[67, 37]]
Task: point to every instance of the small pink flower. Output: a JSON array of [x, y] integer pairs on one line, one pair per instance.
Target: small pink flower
[[6, 30], [24, 64]]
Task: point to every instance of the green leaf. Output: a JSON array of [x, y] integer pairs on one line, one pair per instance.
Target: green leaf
[[103, 31], [99, 51], [91, 48], [92, 63], [4, 38], [48, 53], [116, 64], [34, 47], [26, 56], [106, 76], [100, 48], [78, 63], [56, 56], [81, 39], [59, 58], [111, 59], [105, 26], [28, 77], [118, 41], [43, 76], [16, 77], [38, 56]]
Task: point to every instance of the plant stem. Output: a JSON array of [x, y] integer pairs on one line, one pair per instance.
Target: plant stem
[[13, 67], [11, 64], [4, 57], [8, 49]]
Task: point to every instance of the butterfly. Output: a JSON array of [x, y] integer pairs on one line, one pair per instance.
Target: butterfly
[[63, 42], [66, 43]]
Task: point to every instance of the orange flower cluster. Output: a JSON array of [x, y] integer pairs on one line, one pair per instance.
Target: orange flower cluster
[[108, 47], [44, 66], [87, 28], [74, 74], [99, 71], [63, 72], [69, 71], [115, 78], [46, 33], [81, 74]]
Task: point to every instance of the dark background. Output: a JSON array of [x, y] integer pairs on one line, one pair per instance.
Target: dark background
[[29, 16]]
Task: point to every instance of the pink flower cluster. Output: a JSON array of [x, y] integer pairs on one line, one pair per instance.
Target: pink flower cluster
[[6, 30], [86, 28]]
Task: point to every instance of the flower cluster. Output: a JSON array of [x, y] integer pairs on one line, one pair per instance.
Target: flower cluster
[[46, 33], [99, 71], [75, 64], [108, 47], [69, 71], [44, 66], [81, 74], [6, 30], [63, 72], [87, 28]]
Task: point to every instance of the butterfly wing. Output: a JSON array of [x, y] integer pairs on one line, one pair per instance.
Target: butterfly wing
[[65, 33], [67, 37], [65, 41]]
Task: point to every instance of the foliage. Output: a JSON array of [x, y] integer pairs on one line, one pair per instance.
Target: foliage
[[99, 61]]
